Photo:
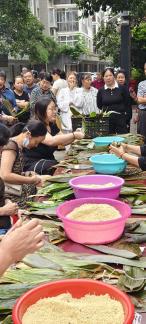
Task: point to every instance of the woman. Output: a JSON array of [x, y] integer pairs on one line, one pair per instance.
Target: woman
[[7, 208], [115, 98], [69, 96], [126, 151], [41, 159], [18, 186], [59, 81], [22, 99], [89, 96], [121, 80]]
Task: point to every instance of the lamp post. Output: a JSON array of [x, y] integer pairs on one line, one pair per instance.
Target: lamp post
[[125, 53]]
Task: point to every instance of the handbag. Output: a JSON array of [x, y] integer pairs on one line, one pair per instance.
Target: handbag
[[12, 189]]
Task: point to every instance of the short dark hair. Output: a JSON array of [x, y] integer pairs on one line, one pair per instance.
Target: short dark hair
[[41, 107], [3, 74], [85, 76], [121, 71], [110, 69], [35, 127], [57, 71], [16, 129], [4, 134], [46, 76]]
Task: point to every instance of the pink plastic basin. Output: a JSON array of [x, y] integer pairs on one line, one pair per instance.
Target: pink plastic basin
[[111, 192], [93, 232], [77, 288]]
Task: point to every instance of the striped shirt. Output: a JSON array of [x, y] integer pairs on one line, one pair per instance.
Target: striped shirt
[[36, 94], [89, 101], [142, 93]]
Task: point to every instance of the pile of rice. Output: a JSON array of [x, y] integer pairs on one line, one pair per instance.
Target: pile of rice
[[64, 309], [94, 213], [96, 186]]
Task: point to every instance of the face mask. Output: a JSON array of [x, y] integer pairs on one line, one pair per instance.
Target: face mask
[[26, 142]]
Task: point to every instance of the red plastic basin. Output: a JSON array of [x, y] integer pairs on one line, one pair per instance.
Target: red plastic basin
[[78, 288]]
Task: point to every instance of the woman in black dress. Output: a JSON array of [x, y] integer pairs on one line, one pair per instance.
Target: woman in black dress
[[115, 98], [41, 159]]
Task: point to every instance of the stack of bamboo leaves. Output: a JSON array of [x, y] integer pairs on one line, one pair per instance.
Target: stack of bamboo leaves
[[135, 196], [52, 263]]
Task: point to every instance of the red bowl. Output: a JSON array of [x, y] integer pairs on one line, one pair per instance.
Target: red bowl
[[78, 288]]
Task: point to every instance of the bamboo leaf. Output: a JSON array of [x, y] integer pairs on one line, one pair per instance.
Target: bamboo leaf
[[7, 320], [75, 112], [128, 284], [126, 191], [37, 261], [110, 250]]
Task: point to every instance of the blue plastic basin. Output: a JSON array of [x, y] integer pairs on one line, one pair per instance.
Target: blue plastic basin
[[107, 164], [107, 140]]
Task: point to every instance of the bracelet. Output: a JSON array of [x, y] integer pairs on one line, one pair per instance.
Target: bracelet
[[121, 155], [73, 136]]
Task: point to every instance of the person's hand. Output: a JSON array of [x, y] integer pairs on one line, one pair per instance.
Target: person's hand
[[135, 119], [72, 84], [9, 119], [118, 151], [78, 135], [23, 239], [9, 209], [36, 179]]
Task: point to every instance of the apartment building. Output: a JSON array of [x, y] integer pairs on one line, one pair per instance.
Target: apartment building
[[61, 20]]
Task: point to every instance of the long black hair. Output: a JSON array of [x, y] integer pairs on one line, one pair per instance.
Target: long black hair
[[4, 134], [41, 107]]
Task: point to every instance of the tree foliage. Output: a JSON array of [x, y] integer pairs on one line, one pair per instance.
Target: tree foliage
[[75, 51], [21, 33], [107, 43], [139, 44], [138, 8]]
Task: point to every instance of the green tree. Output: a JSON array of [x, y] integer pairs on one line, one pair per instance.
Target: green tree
[[75, 51], [107, 43], [21, 33], [137, 8], [139, 44]]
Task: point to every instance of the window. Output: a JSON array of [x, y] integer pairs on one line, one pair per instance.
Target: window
[[94, 29], [52, 17], [68, 40], [59, 2], [67, 20]]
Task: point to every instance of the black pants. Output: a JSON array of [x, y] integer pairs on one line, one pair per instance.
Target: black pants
[[141, 127], [118, 124], [41, 166]]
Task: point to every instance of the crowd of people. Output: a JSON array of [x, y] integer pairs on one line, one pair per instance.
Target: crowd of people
[[30, 133]]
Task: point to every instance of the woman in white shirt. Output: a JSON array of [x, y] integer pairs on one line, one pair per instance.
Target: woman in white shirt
[[59, 81], [89, 95], [70, 96]]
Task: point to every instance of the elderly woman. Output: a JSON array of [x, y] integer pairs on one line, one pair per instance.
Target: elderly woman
[[115, 98], [18, 186], [68, 97], [41, 158], [88, 96]]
